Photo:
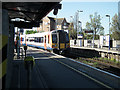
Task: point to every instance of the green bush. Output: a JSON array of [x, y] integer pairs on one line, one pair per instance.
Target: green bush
[[112, 59], [95, 63], [106, 59]]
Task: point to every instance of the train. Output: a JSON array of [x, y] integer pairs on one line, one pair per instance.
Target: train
[[55, 41]]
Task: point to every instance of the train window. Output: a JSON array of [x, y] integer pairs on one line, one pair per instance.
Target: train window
[[35, 39], [39, 40], [67, 38], [42, 39], [45, 39], [54, 38], [48, 38]]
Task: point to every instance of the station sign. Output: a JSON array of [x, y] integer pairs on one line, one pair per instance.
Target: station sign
[[79, 36], [104, 40]]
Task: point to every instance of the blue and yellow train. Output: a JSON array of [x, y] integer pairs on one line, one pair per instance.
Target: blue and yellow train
[[57, 40]]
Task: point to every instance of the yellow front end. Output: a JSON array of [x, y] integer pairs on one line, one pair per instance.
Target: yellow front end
[[62, 45], [54, 45]]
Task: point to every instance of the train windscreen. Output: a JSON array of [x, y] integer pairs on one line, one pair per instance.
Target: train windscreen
[[54, 38], [64, 37], [67, 38]]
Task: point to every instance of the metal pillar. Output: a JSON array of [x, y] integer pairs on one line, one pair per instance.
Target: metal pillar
[[5, 33], [0, 46], [18, 44], [7, 49], [56, 22], [10, 55]]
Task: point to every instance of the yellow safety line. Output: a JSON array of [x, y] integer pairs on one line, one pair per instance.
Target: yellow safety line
[[3, 68]]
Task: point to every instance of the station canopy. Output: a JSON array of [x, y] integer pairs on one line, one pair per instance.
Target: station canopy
[[32, 12]]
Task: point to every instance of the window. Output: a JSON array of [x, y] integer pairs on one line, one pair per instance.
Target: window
[[45, 39], [65, 24], [48, 38], [41, 39], [54, 38], [89, 41], [67, 38]]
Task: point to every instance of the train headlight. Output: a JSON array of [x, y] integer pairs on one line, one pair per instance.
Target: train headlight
[[53, 46]]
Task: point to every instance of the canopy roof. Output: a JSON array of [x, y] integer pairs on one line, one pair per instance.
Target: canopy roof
[[29, 11]]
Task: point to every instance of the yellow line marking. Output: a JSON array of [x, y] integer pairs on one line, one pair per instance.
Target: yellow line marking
[[3, 68]]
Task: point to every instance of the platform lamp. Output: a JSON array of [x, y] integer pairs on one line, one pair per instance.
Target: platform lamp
[[109, 30], [78, 18]]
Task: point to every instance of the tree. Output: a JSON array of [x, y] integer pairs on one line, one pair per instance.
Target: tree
[[115, 28], [95, 25], [72, 31]]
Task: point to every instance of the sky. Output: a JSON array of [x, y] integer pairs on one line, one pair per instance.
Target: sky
[[102, 7]]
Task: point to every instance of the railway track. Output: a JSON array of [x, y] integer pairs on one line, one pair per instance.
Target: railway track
[[101, 64], [78, 71]]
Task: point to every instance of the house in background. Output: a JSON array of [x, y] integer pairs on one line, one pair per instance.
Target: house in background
[[49, 24], [62, 24]]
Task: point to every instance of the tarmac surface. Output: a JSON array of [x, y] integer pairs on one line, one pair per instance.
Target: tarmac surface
[[48, 73]]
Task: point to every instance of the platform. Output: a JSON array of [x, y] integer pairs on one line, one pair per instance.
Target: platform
[[98, 49], [55, 71]]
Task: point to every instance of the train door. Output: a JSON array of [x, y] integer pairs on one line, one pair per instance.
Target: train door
[[49, 41], [45, 42]]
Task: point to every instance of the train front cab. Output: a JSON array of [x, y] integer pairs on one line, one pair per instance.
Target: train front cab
[[60, 41]]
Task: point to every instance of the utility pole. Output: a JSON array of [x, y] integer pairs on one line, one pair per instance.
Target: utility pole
[[109, 30], [78, 28], [56, 22]]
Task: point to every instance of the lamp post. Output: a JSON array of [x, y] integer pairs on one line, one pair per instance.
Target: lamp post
[[71, 19], [109, 30], [56, 22], [78, 21]]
